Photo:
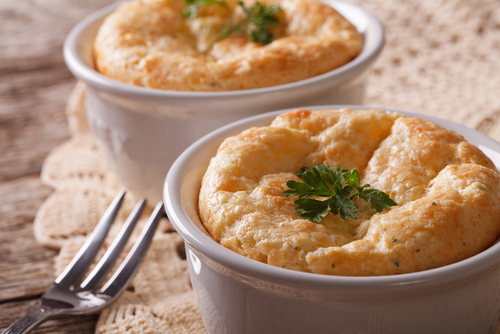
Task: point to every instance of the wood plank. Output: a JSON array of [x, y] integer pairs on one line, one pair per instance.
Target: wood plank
[[34, 87], [26, 138], [20, 200], [34, 80], [75, 324], [26, 268]]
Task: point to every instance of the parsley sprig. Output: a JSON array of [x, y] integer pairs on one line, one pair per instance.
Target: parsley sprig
[[339, 186], [257, 21]]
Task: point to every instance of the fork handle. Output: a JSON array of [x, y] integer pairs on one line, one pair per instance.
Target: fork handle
[[30, 320]]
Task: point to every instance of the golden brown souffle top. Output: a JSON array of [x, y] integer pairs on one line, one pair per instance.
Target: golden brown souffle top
[[148, 43], [447, 191]]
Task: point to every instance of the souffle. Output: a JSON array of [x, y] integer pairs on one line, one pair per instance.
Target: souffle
[[447, 193], [151, 43]]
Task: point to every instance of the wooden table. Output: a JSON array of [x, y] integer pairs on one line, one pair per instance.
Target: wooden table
[[34, 86]]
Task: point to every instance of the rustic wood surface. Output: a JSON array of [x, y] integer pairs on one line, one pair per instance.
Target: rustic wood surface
[[34, 87]]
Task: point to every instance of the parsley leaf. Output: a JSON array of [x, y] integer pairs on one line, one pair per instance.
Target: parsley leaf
[[191, 11], [378, 199], [261, 35], [312, 209], [339, 187], [256, 24]]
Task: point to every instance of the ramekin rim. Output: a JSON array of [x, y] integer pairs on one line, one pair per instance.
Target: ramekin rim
[[469, 267], [90, 76]]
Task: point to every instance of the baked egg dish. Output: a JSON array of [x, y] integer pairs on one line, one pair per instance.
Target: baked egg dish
[[151, 43], [447, 193]]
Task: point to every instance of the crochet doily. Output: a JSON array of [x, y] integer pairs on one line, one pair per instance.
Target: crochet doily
[[160, 298], [441, 58]]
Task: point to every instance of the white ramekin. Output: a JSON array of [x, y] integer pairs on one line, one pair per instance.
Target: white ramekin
[[143, 130], [239, 295]]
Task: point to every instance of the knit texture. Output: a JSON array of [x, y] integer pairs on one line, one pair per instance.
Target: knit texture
[[160, 298], [441, 58]]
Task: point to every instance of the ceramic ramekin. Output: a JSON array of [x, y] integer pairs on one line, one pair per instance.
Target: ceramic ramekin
[[143, 130], [238, 295]]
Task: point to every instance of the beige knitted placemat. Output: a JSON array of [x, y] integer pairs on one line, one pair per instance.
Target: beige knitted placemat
[[441, 58], [160, 298]]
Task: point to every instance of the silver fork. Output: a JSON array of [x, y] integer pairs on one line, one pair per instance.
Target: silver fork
[[66, 297]]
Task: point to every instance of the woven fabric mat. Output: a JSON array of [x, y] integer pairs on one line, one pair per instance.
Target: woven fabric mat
[[160, 298], [441, 58]]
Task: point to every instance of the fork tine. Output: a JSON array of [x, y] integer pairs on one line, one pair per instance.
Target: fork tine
[[107, 261], [129, 266], [74, 272]]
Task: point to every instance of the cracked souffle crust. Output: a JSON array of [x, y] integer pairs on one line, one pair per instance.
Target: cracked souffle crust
[[148, 43], [447, 190]]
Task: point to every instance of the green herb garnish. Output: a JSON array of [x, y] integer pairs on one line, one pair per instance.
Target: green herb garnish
[[339, 186], [257, 21]]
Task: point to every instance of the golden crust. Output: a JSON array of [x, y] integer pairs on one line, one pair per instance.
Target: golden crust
[[447, 190], [148, 43]]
